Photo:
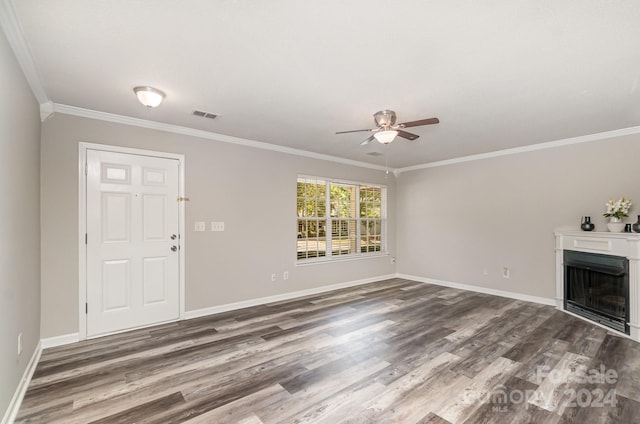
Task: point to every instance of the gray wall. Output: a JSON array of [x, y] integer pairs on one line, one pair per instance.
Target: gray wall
[[252, 190], [19, 223], [451, 222], [455, 221]]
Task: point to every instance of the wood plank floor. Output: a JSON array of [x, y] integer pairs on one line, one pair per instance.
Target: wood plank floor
[[395, 351]]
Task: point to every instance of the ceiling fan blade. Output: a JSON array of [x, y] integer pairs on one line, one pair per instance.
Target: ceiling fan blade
[[407, 135], [344, 132], [367, 141], [420, 122]]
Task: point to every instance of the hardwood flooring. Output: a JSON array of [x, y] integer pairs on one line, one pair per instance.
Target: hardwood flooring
[[395, 351]]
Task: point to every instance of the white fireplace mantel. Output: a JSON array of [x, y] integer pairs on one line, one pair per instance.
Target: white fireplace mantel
[[617, 244]]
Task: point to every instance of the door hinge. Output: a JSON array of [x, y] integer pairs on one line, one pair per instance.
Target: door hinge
[[86, 308], [86, 238]]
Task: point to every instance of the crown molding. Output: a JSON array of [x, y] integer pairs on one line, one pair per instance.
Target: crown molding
[[47, 110], [530, 148], [15, 36], [13, 30], [176, 129]]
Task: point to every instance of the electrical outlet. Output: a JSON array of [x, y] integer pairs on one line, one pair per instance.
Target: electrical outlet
[[273, 277], [285, 275], [19, 343], [506, 272], [199, 226]]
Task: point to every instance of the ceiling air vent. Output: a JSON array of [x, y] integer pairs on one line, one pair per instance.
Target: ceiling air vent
[[374, 154], [205, 114]]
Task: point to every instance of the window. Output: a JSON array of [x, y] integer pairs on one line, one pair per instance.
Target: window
[[371, 219], [312, 218], [338, 219]]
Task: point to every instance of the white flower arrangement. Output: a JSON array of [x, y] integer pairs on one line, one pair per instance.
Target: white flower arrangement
[[619, 209]]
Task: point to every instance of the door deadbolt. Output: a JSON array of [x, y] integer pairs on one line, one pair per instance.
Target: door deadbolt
[[174, 248], [173, 236]]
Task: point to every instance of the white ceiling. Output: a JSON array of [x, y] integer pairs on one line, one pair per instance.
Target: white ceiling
[[499, 73]]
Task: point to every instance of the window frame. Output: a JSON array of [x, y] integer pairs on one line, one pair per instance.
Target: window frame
[[329, 256]]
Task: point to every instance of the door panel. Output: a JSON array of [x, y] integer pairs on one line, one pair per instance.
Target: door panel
[[132, 212], [156, 177], [155, 280], [154, 223], [116, 283], [115, 173], [116, 215]]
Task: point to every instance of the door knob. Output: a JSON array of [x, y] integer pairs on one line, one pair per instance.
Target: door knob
[[174, 248]]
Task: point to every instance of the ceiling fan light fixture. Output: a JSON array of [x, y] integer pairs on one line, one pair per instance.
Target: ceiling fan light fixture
[[149, 96], [385, 137]]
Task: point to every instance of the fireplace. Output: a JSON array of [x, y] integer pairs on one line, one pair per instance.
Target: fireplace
[[596, 287], [598, 278]]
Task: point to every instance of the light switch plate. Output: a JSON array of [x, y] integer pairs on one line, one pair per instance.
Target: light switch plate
[[200, 226], [217, 226]]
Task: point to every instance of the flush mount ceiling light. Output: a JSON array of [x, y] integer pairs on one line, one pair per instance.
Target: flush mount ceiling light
[[385, 137], [149, 96]]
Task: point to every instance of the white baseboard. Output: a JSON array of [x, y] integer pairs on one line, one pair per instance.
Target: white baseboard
[[75, 337], [502, 293], [16, 400], [60, 340], [280, 297]]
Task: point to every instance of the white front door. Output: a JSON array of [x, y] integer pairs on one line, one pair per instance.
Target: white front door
[[132, 241]]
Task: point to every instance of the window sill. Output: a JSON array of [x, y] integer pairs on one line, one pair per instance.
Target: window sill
[[334, 259]]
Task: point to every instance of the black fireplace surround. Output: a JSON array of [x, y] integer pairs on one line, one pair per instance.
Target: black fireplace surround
[[597, 288]]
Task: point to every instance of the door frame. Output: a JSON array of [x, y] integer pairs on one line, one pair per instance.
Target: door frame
[[82, 224]]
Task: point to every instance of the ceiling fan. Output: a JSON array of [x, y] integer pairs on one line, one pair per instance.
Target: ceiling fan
[[387, 129]]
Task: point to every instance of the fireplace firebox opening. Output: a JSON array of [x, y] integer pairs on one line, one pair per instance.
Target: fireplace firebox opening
[[596, 287]]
